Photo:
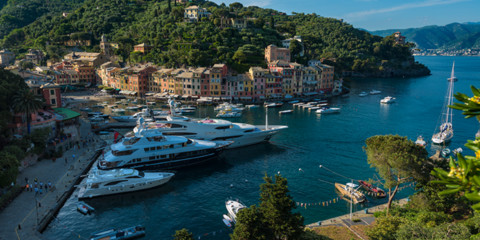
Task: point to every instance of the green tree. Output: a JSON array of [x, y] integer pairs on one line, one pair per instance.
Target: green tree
[[27, 102], [295, 49], [183, 234], [27, 65], [385, 228], [276, 206], [8, 168], [251, 225], [397, 161]]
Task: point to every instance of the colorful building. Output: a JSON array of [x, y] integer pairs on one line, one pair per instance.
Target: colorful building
[[274, 53]]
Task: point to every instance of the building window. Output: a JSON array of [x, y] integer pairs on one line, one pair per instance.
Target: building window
[[52, 92], [53, 101]]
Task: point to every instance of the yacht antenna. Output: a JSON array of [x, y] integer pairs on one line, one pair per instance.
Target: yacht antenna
[[266, 119]]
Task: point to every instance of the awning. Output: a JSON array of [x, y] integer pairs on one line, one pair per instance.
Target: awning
[[175, 96], [149, 94], [288, 96], [195, 96], [246, 98], [216, 98], [132, 93], [310, 93], [262, 97], [185, 96], [227, 98], [123, 92], [66, 113]]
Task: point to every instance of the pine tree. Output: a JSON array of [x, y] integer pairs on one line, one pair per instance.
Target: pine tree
[[277, 205]]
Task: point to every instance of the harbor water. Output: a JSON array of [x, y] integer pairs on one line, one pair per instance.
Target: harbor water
[[195, 197]]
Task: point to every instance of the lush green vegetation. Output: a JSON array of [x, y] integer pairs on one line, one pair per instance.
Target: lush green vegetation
[[15, 95], [464, 174], [397, 161], [273, 218], [176, 42], [19, 13], [453, 36]]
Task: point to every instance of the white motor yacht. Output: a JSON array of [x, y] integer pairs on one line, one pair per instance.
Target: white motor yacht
[[273, 105], [101, 183], [145, 113], [149, 148], [229, 107], [325, 110], [233, 207], [387, 100], [215, 129], [228, 114], [363, 94], [374, 92]]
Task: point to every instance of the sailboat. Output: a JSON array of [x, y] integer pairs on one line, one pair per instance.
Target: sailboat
[[445, 133]]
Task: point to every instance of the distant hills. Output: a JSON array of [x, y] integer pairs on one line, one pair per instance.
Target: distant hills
[[454, 36]]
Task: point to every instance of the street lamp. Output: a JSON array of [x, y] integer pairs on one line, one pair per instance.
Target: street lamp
[[36, 208]]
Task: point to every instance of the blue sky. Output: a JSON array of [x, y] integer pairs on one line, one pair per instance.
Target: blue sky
[[379, 14]]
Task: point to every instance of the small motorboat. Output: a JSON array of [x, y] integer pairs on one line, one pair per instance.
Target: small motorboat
[[374, 191], [446, 152], [293, 102], [226, 114], [252, 106], [233, 207], [227, 220], [97, 106], [84, 208], [421, 141], [457, 151], [363, 94], [285, 111], [387, 100], [123, 234], [374, 92], [327, 110], [133, 108], [85, 109], [273, 105], [350, 191], [118, 110]]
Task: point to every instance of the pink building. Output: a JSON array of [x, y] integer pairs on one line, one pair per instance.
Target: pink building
[[273, 53]]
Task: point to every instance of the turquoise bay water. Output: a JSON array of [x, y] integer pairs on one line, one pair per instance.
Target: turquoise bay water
[[195, 198]]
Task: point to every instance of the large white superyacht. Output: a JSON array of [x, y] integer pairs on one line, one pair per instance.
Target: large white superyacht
[[214, 130], [149, 148], [108, 182]]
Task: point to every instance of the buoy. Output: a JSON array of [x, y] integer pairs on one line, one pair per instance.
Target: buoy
[[278, 172], [231, 185], [320, 166], [246, 180], [300, 169]]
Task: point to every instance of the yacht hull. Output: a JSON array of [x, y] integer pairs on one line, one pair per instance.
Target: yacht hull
[[177, 161], [85, 192]]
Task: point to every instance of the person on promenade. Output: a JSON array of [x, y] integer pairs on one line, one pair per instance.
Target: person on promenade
[[41, 185], [50, 185], [73, 156], [66, 160], [36, 191], [26, 187]]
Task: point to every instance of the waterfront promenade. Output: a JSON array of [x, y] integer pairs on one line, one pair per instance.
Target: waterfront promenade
[[362, 217], [28, 212]]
